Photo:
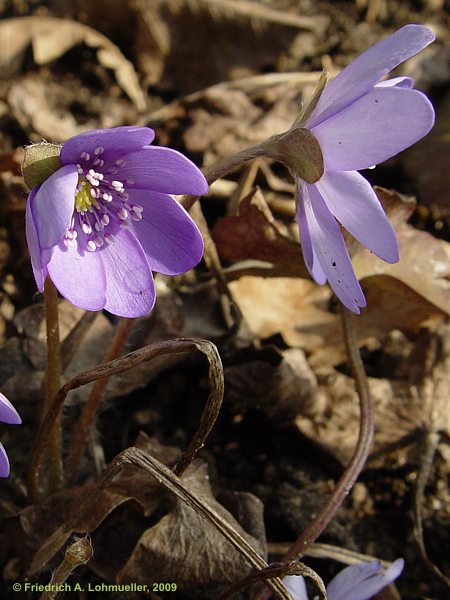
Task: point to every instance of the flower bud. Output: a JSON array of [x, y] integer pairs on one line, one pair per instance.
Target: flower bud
[[40, 161]]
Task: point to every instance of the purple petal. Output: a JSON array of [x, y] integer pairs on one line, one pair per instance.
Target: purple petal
[[4, 462], [309, 254], [365, 71], [351, 199], [8, 414], [115, 143], [39, 269], [363, 581], [405, 82], [79, 277], [328, 243], [130, 291], [170, 238], [379, 125], [296, 586], [162, 170], [54, 204]]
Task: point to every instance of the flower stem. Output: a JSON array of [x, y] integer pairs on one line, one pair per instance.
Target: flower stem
[[55, 474], [87, 417], [359, 457], [227, 165]]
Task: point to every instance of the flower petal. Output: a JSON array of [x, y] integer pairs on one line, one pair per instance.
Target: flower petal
[[162, 170], [405, 82], [296, 586], [365, 71], [309, 254], [351, 199], [363, 581], [379, 125], [39, 269], [79, 277], [8, 414], [130, 291], [170, 238], [328, 243], [4, 462], [115, 142], [54, 204]]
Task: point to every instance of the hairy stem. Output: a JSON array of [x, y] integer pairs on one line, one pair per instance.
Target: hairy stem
[[227, 165], [358, 460], [87, 417], [53, 383]]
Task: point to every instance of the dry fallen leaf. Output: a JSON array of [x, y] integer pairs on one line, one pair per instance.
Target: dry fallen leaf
[[254, 234], [51, 38], [186, 548]]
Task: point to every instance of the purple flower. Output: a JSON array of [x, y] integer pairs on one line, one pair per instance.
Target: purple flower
[[105, 220], [8, 414], [358, 582], [359, 122]]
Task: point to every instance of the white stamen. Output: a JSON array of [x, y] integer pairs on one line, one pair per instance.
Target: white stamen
[[120, 162], [136, 216], [117, 185], [122, 213], [86, 228], [91, 245], [85, 155], [99, 241], [99, 150], [105, 220]]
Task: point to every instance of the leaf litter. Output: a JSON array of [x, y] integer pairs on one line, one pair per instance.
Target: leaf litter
[[289, 418]]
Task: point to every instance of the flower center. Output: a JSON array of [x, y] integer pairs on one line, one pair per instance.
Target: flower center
[[102, 204], [83, 198]]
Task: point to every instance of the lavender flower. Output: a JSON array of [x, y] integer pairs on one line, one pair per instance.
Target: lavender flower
[[358, 582], [102, 222], [357, 122], [8, 414]]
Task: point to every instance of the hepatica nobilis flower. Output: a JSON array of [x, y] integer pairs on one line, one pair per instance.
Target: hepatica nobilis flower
[[354, 122], [358, 582], [8, 414], [105, 219]]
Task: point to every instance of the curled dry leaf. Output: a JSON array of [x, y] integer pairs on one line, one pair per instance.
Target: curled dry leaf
[[51, 38], [186, 548], [254, 234]]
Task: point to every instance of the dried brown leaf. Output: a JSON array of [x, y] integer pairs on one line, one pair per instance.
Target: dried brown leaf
[[186, 548], [51, 38], [254, 234]]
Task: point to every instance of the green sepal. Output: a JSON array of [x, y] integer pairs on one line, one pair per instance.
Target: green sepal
[[40, 161]]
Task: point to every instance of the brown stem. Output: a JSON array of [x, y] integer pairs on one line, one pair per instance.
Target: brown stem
[[227, 165], [85, 422], [119, 365], [359, 457], [53, 383]]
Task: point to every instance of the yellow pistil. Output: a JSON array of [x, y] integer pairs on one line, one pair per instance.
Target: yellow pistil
[[83, 199]]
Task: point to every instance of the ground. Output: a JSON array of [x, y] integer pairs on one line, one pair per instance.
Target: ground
[[212, 77]]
